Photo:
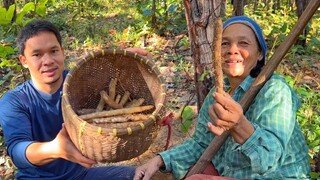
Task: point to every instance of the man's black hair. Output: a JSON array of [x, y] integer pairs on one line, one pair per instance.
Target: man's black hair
[[32, 29]]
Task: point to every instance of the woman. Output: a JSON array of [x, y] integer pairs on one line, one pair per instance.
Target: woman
[[265, 142]]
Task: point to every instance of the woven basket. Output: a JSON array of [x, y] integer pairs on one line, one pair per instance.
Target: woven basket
[[81, 90]]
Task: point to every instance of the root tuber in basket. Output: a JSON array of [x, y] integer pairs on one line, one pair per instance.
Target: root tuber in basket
[[111, 102]]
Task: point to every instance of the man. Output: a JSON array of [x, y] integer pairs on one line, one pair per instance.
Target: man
[[31, 115]]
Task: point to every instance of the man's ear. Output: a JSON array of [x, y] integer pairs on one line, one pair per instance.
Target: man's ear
[[23, 61]]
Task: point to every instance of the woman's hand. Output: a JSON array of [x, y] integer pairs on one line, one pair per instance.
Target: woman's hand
[[146, 171], [227, 115], [140, 51]]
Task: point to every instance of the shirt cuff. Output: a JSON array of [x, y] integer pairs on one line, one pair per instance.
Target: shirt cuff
[[166, 160], [249, 149], [250, 145], [19, 155]]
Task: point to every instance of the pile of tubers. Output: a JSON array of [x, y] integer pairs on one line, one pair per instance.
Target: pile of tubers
[[120, 112]]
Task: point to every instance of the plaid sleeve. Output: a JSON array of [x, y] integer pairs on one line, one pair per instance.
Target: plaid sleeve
[[273, 116], [179, 159]]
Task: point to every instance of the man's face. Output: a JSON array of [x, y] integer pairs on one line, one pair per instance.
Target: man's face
[[44, 57]]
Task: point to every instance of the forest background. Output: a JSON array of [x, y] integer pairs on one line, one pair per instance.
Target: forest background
[[160, 27]]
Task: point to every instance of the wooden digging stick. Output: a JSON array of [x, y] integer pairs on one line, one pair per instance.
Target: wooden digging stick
[[216, 54], [264, 75]]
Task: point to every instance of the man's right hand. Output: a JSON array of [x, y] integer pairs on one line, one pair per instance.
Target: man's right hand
[[67, 150], [146, 171], [41, 153]]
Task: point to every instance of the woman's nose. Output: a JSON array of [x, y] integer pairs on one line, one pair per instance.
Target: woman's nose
[[233, 49]]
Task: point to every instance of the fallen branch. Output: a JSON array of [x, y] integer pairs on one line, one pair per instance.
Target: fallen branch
[[116, 112], [122, 118], [135, 103], [216, 54], [110, 101], [112, 88], [100, 105]]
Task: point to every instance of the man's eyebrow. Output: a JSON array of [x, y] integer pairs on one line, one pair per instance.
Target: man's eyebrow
[[39, 50], [55, 46], [35, 51]]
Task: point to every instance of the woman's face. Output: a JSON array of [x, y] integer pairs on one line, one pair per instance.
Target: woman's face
[[240, 51]]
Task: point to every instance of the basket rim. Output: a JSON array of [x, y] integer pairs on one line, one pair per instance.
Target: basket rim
[[135, 56]]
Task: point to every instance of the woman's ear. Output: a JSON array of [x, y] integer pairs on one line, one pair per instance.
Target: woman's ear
[[260, 56], [23, 61]]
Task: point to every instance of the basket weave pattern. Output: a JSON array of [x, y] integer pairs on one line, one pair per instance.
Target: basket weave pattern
[[81, 90]]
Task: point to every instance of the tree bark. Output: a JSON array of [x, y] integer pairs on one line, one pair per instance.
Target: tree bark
[[200, 16], [153, 18], [255, 5], [238, 7], [7, 4], [223, 7], [301, 6]]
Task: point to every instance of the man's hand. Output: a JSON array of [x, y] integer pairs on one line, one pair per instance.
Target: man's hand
[[41, 153], [67, 150], [146, 171]]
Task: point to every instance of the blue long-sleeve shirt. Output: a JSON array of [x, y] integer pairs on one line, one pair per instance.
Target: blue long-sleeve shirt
[[26, 116], [276, 150]]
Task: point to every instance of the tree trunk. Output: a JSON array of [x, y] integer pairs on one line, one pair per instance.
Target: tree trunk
[[255, 4], [278, 4], [223, 7], [301, 6], [238, 7], [200, 15], [165, 7], [153, 18], [7, 4]]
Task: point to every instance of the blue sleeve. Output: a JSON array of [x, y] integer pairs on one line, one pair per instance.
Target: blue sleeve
[[14, 119], [18, 156]]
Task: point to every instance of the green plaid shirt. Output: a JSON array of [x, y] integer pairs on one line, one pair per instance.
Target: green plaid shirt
[[276, 150]]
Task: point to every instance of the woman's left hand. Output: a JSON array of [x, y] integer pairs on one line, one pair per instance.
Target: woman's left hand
[[225, 113]]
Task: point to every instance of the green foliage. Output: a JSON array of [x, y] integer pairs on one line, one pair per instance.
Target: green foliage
[[170, 17], [308, 115], [315, 175], [283, 21], [187, 116], [10, 25], [6, 15]]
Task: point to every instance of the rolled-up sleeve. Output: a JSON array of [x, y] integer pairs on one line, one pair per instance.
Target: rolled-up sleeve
[[179, 159], [272, 114]]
